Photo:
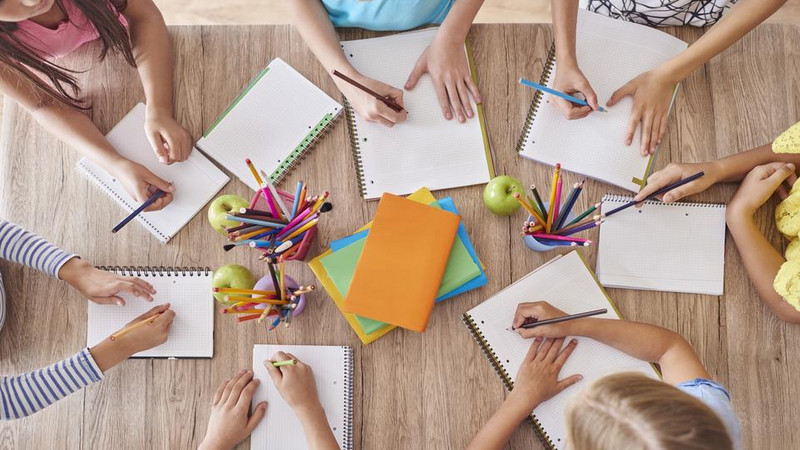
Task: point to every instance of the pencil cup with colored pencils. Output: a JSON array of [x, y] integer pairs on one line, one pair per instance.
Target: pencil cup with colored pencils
[[536, 245], [253, 306], [259, 203]]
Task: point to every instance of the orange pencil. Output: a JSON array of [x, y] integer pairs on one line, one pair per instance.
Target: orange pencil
[[244, 291], [269, 301], [246, 318], [283, 280], [528, 207], [132, 326]]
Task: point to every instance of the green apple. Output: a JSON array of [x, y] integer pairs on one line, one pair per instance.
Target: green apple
[[232, 276], [221, 206], [498, 195]]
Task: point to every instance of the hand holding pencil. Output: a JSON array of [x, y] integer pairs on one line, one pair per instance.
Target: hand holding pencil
[[146, 331], [540, 311], [371, 99]]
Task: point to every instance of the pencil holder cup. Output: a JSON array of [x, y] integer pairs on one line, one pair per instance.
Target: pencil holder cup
[[265, 284], [533, 244], [259, 202]]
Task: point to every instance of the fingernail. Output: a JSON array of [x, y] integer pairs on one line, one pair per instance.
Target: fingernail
[[408, 85], [667, 198], [256, 380], [574, 341], [263, 405], [580, 377], [790, 166], [119, 302], [448, 116]]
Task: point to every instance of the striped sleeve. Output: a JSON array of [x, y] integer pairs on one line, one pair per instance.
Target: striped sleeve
[[21, 246], [28, 393]]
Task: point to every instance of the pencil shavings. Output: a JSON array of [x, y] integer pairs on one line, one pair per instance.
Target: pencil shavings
[[787, 283], [787, 216], [792, 252], [789, 141]]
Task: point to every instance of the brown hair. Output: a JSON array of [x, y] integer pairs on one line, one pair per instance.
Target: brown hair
[[104, 16], [631, 411]]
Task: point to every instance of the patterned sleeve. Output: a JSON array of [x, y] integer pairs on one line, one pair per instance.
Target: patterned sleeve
[[21, 246], [28, 393]]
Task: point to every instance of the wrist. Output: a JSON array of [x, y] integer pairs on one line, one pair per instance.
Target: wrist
[[153, 110], [738, 217], [309, 411], [715, 171], [108, 353], [567, 62], [207, 444], [670, 71], [72, 270], [517, 408]]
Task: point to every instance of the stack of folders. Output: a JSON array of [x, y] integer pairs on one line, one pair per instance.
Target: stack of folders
[[389, 273]]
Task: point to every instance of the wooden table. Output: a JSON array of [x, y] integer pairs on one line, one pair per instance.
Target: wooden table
[[431, 390]]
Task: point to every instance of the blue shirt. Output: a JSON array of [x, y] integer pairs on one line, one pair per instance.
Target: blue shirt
[[717, 398], [386, 15]]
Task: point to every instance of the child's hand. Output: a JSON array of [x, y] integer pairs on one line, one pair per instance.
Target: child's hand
[[446, 61], [370, 107], [171, 142], [140, 184], [103, 287], [295, 382], [540, 311], [759, 185], [652, 93], [537, 379], [570, 80], [231, 422], [676, 172], [108, 353]]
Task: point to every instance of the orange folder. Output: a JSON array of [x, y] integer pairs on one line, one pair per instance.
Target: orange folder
[[402, 264]]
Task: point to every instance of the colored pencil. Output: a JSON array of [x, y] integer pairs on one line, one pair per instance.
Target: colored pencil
[[320, 201], [655, 194], [580, 217], [386, 99], [282, 281], [288, 362], [552, 197], [303, 228], [238, 228], [278, 200], [271, 299], [275, 284], [539, 201], [302, 205], [581, 228], [286, 245], [245, 311], [528, 207], [253, 171], [559, 192], [563, 318], [553, 243], [244, 291], [555, 237], [246, 318], [296, 202], [560, 94], [156, 195], [264, 223], [300, 217], [289, 230], [304, 289], [566, 208], [250, 234], [253, 212], [121, 332]]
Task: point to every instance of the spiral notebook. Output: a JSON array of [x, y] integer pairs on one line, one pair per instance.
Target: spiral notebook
[[188, 291], [426, 149], [196, 180], [333, 374], [568, 284], [674, 247], [274, 122], [610, 52]]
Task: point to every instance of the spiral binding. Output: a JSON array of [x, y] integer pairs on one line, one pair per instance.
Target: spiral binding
[[537, 98], [160, 271], [285, 168], [351, 128], [627, 198], [503, 375], [348, 398], [110, 192]]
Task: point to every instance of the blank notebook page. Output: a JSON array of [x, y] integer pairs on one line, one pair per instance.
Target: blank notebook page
[[568, 285], [268, 122], [333, 373], [426, 149], [196, 180], [610, 52], [676, 247], [189, 294]]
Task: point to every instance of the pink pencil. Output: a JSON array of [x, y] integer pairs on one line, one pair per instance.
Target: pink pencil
[[295, 221], [557, 201], [560, 238], [273, 209]]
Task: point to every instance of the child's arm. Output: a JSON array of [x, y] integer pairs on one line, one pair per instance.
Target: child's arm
[[295, 382], [647, 342], [314, 25], [152, 50], [537, 381], [231, 422], [77, 130], [568, 77], [447, 63], [761, 260], [728, 169], [652, 90], [23, 395]]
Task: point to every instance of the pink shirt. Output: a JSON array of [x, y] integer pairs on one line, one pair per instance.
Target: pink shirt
[[70, 33]]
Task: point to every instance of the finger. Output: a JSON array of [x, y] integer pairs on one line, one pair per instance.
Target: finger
[[229, 386], [524, 312], [679, 192], [778, 177], [631, 130], [236, 390], [133, 289], [172, 147], [544, 349], [654, 183], [220, 389], [274, 372], [384, 121], [654, 129], [644, 135], [111, 300], [141, 283], [554, 349], [390, 114], [158, 146], [579, 112], [151, 312], [619, 94], [662, 128], [533, 349], [781, 191], [567, 382], [444, 103], [591, 97], [455, 103], [565, 352], [791, 180], [473, 89], [165, 319], [419, 69], [463, 95], [246, 397], [255, 418], [184, 146], [564, 107], [281, 356], [161, 203]]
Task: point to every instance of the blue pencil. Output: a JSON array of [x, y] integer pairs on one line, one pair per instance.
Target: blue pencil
[[264, 223], [566, 97], [157, 195], [565, 210], [296, 199]]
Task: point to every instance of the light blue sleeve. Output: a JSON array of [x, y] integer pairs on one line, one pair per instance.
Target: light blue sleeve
[[717, 398]]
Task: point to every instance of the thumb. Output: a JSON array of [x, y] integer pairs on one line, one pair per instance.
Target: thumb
[[112, 300], [591, 97], [255, 418], [161, 184], [677, 193], [274, 372], [567, 382], [619, 94], [158, 146], [416, 73], [777, 177]]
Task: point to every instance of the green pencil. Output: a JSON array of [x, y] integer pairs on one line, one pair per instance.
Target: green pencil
[[583, 214], [539, 201], [288, 362]]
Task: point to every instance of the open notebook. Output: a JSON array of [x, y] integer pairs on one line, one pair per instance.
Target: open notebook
[[675, 247], [426, 149], [275, 120], [333, 374], [196, 180], [568, 284], [610, 52], [189, 293]]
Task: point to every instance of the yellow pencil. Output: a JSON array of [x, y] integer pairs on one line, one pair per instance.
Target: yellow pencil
[[132, 326], [551, 213], [253, 170], [297, 232], [530, 209], [282, 281]]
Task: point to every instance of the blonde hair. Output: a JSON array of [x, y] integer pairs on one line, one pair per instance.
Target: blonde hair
[[631, 411]]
